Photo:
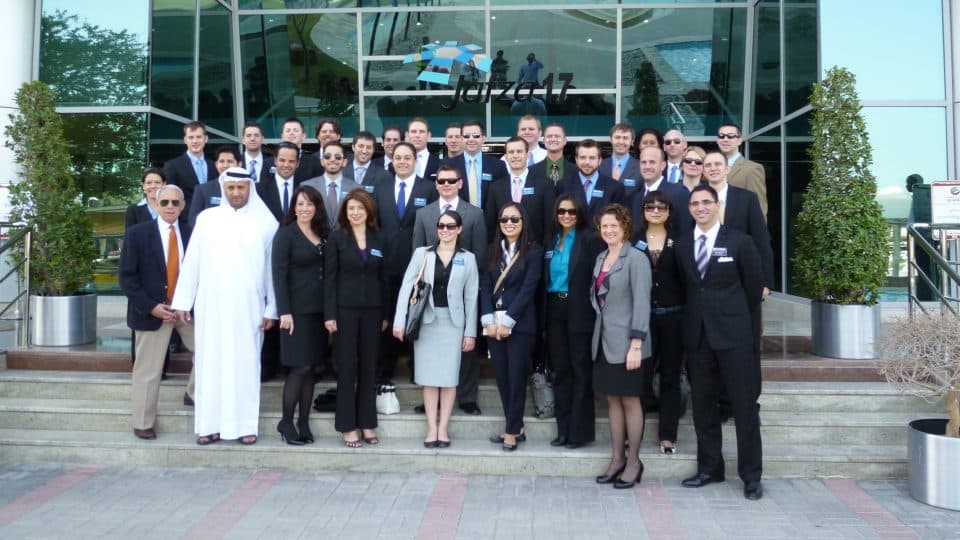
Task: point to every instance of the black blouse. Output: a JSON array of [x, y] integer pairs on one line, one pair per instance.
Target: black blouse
[[667, 288], [441, 277]]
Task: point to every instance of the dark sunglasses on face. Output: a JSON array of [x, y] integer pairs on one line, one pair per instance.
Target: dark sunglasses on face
[[655, 206], [333, 156], [448, 181], [510, 219], [566, 211], [672, 141], [728, 136], [690, 161], [472, 136], [172, 202], [447, 226]]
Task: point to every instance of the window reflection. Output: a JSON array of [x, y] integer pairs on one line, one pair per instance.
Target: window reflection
[[107, 154], [172, 57], [401, 33], [800, 52], [587, 115], [215, 104], [383, 111], [766, 67]]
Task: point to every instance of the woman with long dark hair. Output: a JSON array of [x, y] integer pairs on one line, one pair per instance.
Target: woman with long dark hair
[[298, 283]]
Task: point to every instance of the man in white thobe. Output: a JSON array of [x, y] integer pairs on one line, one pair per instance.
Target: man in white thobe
[[226, 279]]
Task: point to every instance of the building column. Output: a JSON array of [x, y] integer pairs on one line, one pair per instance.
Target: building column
[[16, 41], [952, 24]]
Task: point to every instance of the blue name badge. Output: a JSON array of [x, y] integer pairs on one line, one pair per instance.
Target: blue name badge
[[369, 189], [458, 262], [527, 191], [641, 245], [376, 252], [548, 255], [419, 201], [485, 177], [214, 201], [630, 182], [598, 194]]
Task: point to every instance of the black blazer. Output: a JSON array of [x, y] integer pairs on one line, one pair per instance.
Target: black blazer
[[742, 212], [517, 292], [350, 282], [266, 162], [679, 196], [397, 232], [430, 171], [179, 172], [267, 189], [606, 191], [205, 196], [586, 247], [719, 305], [569, 170], [143, 273], [373, 176], [308, 168], [491, 169], [136, 213], [537, 199], [297, 272], [667, 289]]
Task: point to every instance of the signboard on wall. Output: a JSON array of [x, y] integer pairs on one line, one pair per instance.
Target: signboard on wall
[[945, 202]]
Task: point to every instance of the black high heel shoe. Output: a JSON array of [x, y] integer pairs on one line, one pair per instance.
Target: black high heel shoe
[[288, 433], [622, 484], [305, 434], [612, 477]]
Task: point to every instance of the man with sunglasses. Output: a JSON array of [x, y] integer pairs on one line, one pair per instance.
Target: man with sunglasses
[[477, 169], [332, 184], [674, 145], [743, 173], [621, 166], [148, 272]]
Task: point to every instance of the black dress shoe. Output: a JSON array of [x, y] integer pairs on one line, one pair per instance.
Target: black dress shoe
[[623, 484], [470, 408], [573, 445], [559, 441], [146, 434], [509, 447], [420, 409], [753, 491], [187, 400], [429, 444], [443, 444], [700, 480], [612, 477], [498, 439]]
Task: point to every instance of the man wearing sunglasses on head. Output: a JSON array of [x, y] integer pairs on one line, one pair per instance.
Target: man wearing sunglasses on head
[[674, 145], [332, 184], [743, 173]]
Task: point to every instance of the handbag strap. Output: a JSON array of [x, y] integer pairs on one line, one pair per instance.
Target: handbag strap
[[503, 274], [419, 280]]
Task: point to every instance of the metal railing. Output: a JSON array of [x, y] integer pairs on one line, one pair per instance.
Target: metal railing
[[943, 280], [21, 302]]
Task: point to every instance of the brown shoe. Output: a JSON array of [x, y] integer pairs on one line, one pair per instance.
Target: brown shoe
[[187, 400], [147, 434]]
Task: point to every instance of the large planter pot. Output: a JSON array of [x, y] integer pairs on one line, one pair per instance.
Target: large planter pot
[[933, 465], [61, 321], [844, 331]]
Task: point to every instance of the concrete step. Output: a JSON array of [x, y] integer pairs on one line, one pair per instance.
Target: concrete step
[[776, 396], [778, 427], [466, 456]]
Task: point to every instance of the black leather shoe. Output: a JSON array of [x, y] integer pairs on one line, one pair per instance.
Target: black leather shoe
[[498, 439], [624, 484], [420, 409], [187, 400], [753, 491], [443, 444], [572, 445], [610, 478], [146, 434], [559, 441], [470, 408], [700, 480]]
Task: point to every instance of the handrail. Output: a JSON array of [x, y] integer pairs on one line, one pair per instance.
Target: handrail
[[22, 300], [947, 269]]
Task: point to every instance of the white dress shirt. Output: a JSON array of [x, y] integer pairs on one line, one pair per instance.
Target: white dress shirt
[[711, 235], [165, 238], [406, 190]]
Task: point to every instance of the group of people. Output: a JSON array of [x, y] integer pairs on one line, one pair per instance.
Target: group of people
[[651, 259]]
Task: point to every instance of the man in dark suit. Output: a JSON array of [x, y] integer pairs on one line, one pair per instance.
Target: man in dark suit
[[191, 168], [418, 134], [332, 185], [397, 205], [652, 165], [535, 193], [276, 189], [389, 139], [329, 131], [293, 132], [555, 166], [149, 267], [253, 159], [477, 169], [675, 146], [722, 273], [621, 166], [591, 189], [361, 169], [207, 195]]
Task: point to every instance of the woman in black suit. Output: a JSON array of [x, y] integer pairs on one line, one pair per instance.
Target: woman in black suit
[[655, 234], [298, 283], [355, 291], [508, 286], [147, 209], [567, 276]]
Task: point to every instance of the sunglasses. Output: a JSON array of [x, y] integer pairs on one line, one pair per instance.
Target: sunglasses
[[172, 202], [333, 156], [472, 136], [510, 219], [728, 135], [447, 226], [654, 206], [693, 161], [448, 181], [672, 141], [566, 211]]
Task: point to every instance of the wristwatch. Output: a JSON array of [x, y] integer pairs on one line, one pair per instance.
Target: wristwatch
[[636, 347]]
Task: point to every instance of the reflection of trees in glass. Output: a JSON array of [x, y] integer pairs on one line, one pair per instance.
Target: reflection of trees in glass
[[107, 154], [645, 103], [85, 63], [317, 74]]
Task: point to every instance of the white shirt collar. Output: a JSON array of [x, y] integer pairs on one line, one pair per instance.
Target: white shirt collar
[[733, 159], [656, 185], [327, 179], [453, 203], [722, 192], [280, 180]]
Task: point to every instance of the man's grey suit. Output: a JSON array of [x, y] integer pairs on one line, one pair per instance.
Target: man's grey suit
[[319, 183]]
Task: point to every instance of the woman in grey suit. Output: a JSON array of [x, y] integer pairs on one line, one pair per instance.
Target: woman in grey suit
[[621, 300], [449, 324]]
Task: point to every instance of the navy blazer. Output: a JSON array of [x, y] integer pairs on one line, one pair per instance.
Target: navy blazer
[[397, 232], [362, 283], [266, 162], [630, 177], [586, 247], [267, 189], [143, 273], [742, 212], [517, 293], [373, 176], [720, 304], [491, 168], [297, 272], [606, 191], [537, 198], [179, 172], [136, 213]]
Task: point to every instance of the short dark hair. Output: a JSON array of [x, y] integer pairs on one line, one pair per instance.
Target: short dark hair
[[153, 170], [225, 149], [319, 224], [333, 122], [391, 127], [708, 188], [650, 131], [251, 124], [730, 124], [366, 135], [587, 143], [293, 119], [196, 124], [454, 125], [623, 126], [289, 146], [338, 144], [406, 145], [469, 123], [555, 125], [657, 196], [446, 167], [526, 145]]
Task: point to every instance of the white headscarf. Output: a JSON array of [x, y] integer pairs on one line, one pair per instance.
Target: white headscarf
[[255, 204]]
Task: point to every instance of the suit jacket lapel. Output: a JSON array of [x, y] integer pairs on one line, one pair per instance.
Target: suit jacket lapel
[[575, 250], [156, 245]]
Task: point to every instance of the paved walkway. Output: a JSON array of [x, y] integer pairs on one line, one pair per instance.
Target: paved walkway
[[81, 502]]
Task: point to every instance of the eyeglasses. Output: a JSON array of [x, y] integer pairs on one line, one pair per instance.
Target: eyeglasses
[[333, 156], [447, 226], [566, 212], [693, 161], [448, 181], [705, 202], [472, 135], [172, 202], [672, 141], [654, 206], [510, 219], [728, 135]]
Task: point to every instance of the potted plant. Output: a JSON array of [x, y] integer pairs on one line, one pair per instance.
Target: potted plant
[[841, 256], [921, 356], [47, 201]]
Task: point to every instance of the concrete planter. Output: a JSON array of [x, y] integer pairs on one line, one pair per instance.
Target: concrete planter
[[933, 464], [844, 331], [62, 321]]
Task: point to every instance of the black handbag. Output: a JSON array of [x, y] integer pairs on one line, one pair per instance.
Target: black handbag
[[416, 304]]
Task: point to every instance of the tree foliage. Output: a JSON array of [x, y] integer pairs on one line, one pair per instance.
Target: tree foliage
[[46, 198], [842, 246]]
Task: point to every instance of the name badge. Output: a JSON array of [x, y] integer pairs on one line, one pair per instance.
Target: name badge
[[214, 201], [598, 194], [719, 252], [458, 262], [725, 259], [376, 252], [368, 189], [548, 255], [485, 177], [630, 182], [527, 191], [419, 201], [641, 245]]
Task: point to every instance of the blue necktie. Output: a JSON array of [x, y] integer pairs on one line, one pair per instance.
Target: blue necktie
[[199, 168], [253, 170], [402, 199], [286, 195], [530, 160], [673, 175]]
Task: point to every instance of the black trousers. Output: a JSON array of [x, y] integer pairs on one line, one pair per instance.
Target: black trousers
[[356, 347], [572, 374], [511, 365], [270, 353], [666, 331], [390, 347], [737, 370]]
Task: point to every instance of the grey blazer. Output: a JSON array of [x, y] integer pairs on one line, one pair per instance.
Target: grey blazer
[[473, 238], [625, 314], [462, 290], [319, 183]]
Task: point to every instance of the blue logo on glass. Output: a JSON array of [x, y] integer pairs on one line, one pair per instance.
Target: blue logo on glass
[[440, 59]]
